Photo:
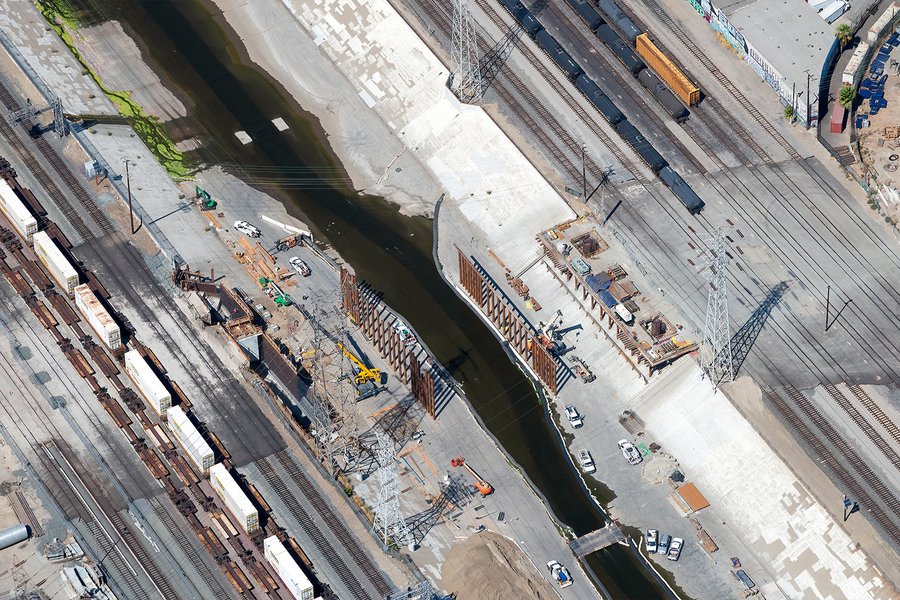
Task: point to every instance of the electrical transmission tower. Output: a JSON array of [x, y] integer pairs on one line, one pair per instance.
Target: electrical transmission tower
[[715, 355], [60, 125], [389, 522], [467, 84], [29, 112], [323, 416], [420, 591]]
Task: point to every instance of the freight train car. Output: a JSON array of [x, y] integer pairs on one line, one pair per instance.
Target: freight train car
[[529, 23], [515, 7], [682, 190], [641, 145], [554, 50], [662, 94], [619, 18], [190, 439], [147, 382], [587, 13], [234, 497], [620, 48], [97, 316], [295, 580], [667, 70], [16, 212], [601, 101], [59, 267]]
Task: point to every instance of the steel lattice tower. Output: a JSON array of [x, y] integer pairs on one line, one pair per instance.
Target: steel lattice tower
[[467, 84], [60, 125], [715, 355], [389, 522], [421, 591]]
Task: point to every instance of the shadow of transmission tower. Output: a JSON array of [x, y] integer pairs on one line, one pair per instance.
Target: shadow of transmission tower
[[742, 341], [494, 59]]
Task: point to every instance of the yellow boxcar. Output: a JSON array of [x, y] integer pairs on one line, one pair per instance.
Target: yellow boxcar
[[667, 71]]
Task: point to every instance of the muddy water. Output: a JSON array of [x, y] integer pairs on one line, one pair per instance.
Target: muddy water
[[192, 50]]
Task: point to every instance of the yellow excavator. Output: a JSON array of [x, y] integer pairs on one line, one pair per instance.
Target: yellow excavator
[[366, 379]]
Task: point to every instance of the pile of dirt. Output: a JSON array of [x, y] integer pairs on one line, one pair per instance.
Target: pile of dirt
[[659, 467], [488, 566]]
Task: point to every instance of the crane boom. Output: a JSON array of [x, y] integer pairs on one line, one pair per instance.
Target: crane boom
[[364, 373]]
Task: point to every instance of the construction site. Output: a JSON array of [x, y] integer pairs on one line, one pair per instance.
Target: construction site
[[571, 380]]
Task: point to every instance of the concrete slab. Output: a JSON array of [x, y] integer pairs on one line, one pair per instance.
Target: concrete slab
[[51, 60]]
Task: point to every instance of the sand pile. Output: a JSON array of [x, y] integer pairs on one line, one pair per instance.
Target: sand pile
[[488, 566]]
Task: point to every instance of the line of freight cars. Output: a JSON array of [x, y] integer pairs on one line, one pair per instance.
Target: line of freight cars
[[157, 396], [604, 105]]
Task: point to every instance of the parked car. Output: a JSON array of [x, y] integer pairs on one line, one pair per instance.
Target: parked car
[[652, 538], [560, 574], [586, 462], [300, 266], [663, 546], [247, 229], [631, 454], [675, 548], [573, 416]]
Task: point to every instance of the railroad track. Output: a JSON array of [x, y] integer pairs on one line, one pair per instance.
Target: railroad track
[[847, 453], [726, 83], [106, 541], [62, 171], [490, 8], [564, 13], [346, 538], [325, 545], [153, 570], [533, 107], [209, 578], [876, 412], [864, 425], [829, 461]]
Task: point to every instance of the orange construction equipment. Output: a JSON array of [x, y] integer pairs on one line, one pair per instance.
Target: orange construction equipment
[[480, 484]]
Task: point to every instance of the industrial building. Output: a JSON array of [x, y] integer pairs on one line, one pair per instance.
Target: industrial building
[[785, 42]]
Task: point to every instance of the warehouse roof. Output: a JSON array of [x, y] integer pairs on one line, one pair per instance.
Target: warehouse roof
[[787, 33]]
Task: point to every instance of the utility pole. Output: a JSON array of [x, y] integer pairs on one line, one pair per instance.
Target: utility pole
[[828, 310], [467, 83], [130, 211], [716, 353], [807, 100], [583, 176]]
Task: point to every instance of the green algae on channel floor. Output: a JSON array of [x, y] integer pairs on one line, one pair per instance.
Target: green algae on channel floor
[[60, 15]]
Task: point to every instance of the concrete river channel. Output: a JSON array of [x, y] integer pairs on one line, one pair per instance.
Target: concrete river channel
[[194, 52]]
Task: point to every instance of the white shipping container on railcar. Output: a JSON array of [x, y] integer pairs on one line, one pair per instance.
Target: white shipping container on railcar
[[97, 316], [190, 439], [234, 497], [16, 212], [147, 382], [287, 568], [61, 270]]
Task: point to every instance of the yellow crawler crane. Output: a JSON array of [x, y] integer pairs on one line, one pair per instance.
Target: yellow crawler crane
[[363, 374]]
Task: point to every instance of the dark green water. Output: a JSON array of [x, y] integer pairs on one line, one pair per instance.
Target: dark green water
[[191, 48]]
